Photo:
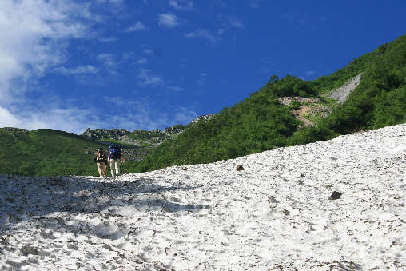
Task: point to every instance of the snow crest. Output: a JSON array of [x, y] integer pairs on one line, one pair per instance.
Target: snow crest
[[334, 205]]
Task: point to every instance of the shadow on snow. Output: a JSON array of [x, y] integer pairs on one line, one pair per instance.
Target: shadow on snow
[[36, 199]]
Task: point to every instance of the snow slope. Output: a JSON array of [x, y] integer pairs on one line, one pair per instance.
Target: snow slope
[[276, 214]]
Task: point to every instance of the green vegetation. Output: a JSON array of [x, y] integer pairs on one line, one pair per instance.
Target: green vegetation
[[47, 153], [260, 122]]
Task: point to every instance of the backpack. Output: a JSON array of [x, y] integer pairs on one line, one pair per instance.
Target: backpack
[[114, 151], [101, 157]]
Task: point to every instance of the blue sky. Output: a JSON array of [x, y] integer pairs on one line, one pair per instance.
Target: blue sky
[[149, 64]]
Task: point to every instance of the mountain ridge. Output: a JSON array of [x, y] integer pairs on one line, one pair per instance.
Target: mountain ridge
[[259, 122]]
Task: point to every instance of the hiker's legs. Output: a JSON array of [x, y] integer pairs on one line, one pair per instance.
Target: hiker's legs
[[117, 164], [100, 169], [112, 168], [104, 170]]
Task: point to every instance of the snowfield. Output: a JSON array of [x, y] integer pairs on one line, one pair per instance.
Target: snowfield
[[334, 205]]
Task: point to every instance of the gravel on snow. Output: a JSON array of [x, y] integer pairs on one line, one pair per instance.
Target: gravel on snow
[[333, 205]]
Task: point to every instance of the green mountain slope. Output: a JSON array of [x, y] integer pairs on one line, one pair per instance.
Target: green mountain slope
[[47, 153], [261, 122]]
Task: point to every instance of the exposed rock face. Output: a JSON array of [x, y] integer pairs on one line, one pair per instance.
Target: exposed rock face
[[137, 137], [115, 134], [306, 108], [174, 130], [204, 117], [341, 93], [289, 100]]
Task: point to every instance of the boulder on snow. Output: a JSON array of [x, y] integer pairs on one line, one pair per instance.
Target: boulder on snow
[[335, 195]]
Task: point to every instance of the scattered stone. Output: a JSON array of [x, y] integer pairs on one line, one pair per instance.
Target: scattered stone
[[335, 195], [28, 249]]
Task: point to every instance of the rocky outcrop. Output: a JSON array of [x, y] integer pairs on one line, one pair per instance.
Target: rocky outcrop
[[174, 130], [204, 117], [289, 100], [305, 109], [137, 137], [98, 134], [341, 94]]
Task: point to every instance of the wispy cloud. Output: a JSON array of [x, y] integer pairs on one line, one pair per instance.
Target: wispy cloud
[[109, 62], [114, 2], [168, 20], [147, 79], [181, 4], [33, 35], [86, 69], [51, 116], [184, 115], [138, 26], [229, 23], [204, 34], [141, 114]]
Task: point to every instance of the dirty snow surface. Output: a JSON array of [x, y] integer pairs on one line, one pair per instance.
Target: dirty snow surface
[[335, 205]]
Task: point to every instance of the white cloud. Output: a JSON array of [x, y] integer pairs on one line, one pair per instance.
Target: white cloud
[[74, 119], [146, 78], [138, 26], [168, 20], [86, 69], [202, 33], [181, 4], [33, 35], [7, 119]]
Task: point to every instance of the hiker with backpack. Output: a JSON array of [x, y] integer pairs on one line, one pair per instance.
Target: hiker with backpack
[[101, 161], [114, 159]]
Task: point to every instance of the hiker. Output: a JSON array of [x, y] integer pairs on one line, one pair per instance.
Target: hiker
[[101, 161], [114, 159]]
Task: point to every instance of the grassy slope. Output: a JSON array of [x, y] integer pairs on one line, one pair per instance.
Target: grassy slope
[[46, 153], [256, 124], [260, 122]]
